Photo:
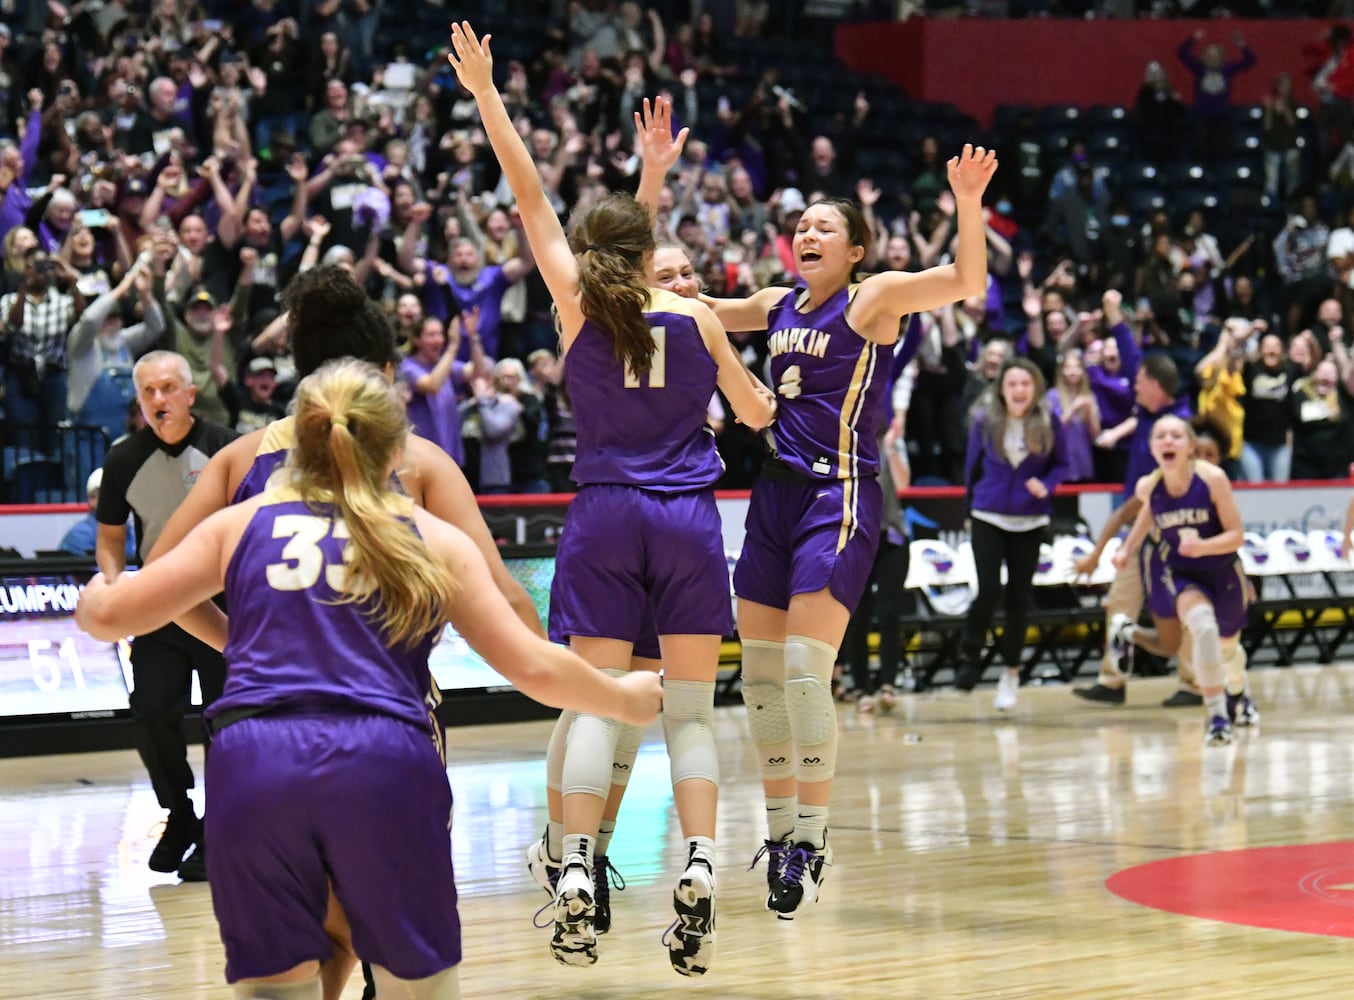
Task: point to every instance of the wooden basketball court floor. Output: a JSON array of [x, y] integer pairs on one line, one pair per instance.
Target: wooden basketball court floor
[[972, 854]]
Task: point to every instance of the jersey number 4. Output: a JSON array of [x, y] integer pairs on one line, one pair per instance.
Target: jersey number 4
[[303, 558], [658, 365]]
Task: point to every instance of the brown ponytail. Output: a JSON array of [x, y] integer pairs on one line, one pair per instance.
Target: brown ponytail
[[613, 239]]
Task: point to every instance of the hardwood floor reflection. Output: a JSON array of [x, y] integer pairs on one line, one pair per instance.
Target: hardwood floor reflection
[[972, 854]]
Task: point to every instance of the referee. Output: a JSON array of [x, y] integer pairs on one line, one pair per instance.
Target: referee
[[147, 475]]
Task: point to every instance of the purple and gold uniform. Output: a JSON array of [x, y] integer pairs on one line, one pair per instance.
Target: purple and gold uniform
[[270, 455], [644, 530], [324, 755], [1168, 574], [272, 452], [815, 513]]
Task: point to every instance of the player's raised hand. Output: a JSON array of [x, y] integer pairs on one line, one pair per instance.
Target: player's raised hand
[[470, 58], [657, 144], [971, 170]]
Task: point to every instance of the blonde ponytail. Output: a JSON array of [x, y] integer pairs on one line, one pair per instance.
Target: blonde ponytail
[[350, 426]]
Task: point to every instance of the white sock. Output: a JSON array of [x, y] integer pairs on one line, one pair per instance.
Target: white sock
[[780, 817], [554, 839], [811, 826], [701, 849], [581, 844], [1215, 706], [604, 832]]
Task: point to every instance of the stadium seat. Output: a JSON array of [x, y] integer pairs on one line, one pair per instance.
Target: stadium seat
[[1108, 116]]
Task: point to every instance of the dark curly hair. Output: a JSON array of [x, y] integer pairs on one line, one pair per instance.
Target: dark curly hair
[[330, 316]]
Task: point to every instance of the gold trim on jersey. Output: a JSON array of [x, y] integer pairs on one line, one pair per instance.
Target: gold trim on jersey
[[848, 440], [850, 520], [432, 699], [280, 435]]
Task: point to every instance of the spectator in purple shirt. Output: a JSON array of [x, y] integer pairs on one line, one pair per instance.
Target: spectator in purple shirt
[[434, 375], [1213, 91], [1111, 375], [1073, 403], [465, 282], [16, 165]]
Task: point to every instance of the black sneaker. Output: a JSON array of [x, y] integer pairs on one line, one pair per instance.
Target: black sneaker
[[966, 677], [182, 830], [194, 867], [803, 871], [1101, 693], [774, 851], [1184, 699], [1242, 711], [604, 876]]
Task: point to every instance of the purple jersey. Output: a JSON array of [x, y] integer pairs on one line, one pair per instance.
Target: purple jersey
[[1193, 512], [829, 381], [272, 451], [647, 431], [293, 646], [436, 415]]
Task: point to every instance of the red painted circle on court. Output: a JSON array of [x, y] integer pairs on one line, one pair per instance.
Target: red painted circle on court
[[1307, 888]]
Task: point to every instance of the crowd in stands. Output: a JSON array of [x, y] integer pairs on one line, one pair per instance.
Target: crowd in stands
[[168, 167]]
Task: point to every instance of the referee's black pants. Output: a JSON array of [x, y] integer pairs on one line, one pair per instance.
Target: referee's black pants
[[163, 662]]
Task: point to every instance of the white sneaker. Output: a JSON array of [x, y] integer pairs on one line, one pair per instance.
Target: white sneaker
[[544, 869], [691, 938], [1008, 689], [1120, 645], [574, 941]]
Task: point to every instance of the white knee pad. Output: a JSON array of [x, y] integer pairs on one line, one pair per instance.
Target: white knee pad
[[590, 748], [445, 985], [1234, 663], [1203, 625], [689, 725], [768, 717], [1184, 657], [627, 749], [555, 750], [306, 989], [808, 700]]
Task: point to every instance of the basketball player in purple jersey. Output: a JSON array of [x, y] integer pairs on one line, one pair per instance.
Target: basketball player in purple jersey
[[672, 271], [324, 753], [331, 317], [1166, 637], [640, 367], [1189, 505], [814, 519]]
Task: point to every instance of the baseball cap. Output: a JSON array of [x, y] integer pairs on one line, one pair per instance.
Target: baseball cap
[[792, 200], [94, 482], [201, 298], [262, 364]]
